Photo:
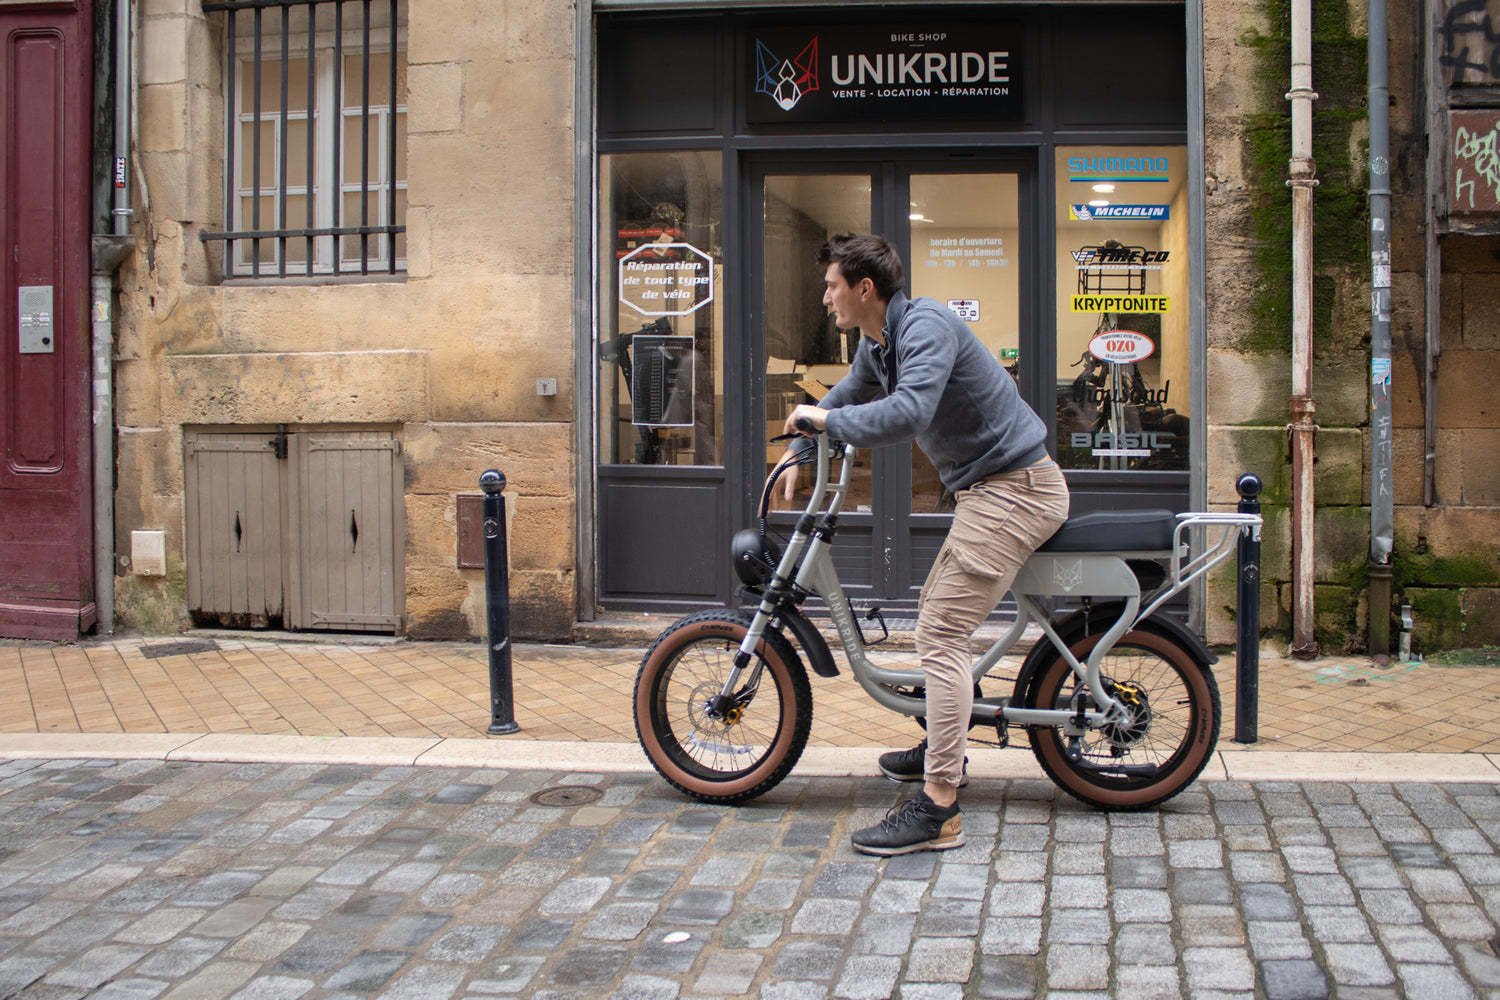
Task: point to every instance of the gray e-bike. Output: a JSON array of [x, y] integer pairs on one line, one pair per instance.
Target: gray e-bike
[[1116, 697]]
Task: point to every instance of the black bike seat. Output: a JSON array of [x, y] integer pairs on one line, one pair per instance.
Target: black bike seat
[[1114, 531]]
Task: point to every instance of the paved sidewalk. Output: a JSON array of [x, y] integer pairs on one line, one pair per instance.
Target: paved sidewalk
[[204, 818], [1423, 721]]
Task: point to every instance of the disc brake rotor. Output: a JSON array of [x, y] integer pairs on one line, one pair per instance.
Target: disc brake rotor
[[1128, 732]]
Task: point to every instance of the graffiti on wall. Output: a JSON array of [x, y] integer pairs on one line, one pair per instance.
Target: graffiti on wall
[[1468, 43], [1474, 164]]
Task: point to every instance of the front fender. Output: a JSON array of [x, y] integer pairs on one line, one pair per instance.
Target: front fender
[[814, 646]]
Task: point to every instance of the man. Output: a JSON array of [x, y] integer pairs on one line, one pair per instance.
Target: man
[[921, 374]]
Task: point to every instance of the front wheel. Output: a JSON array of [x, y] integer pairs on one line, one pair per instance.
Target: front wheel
[[1172, 729], [730, 756]]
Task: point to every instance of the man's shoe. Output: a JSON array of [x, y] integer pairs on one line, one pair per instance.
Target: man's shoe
[[910, 765], [918, 824]]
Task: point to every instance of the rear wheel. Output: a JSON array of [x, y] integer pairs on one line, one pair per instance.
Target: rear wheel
[[1172, 729], [729, 756]]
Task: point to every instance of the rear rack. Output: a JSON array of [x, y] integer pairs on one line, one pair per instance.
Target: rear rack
[[1179, 573]]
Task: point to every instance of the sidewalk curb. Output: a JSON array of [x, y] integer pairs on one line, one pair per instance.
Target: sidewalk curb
[[558, 755]]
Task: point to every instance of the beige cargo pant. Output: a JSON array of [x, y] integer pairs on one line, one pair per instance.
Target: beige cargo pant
[[998, 523]]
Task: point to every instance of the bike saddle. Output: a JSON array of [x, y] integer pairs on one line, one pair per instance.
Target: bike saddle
[[1114, 531]]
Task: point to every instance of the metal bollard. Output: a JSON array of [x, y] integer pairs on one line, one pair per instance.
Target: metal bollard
[[497, 604], [1247, 617]]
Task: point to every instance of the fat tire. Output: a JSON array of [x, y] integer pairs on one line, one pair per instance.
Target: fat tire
[[1191, 731], [658, 705]]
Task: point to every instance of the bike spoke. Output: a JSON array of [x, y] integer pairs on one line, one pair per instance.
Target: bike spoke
[[694, 680]]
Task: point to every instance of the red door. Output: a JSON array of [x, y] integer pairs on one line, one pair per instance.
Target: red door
[[46, 525]]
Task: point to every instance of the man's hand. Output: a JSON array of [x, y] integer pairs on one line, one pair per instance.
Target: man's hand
[[815, 415], [783, 498]]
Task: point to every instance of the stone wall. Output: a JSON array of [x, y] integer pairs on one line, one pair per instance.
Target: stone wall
[[449, 356], [1447, 558]]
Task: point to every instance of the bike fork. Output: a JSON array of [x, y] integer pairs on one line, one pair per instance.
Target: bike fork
[[732, 698]]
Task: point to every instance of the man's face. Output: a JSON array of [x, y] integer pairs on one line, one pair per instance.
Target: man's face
[[842, 298]]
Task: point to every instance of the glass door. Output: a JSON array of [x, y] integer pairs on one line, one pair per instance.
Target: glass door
[[962, 239]]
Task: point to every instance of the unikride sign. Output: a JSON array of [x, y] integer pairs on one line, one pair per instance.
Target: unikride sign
[[902, 71]]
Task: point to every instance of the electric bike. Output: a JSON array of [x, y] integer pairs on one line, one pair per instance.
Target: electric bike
[[1116, 697]]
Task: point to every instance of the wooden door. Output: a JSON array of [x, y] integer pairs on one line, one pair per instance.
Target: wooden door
[[350, 543], [233, 499], [46, 498]]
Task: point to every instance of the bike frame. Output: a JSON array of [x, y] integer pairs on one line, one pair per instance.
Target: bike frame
[[806, 567]]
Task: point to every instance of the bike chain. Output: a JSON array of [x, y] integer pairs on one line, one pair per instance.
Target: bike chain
[[1002, 740], [1002, 729]]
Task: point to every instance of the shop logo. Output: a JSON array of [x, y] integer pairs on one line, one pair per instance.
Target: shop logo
[[786, 81], [1120, 347], [1095, 256], [1120, 167], [1148, 213]]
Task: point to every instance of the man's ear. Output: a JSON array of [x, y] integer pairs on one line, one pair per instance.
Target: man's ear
[[866, 288]]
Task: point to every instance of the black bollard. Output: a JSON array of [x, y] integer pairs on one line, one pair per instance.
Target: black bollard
[[497, 604], [1247, 618]]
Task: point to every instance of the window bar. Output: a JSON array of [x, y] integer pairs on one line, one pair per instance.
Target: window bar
[[232, 126], [310, 202], [336, 113], [281, 180], [255, 167], [390, 157], [364, 156]]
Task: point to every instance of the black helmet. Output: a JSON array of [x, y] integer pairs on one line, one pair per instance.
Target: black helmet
[[755, 557]]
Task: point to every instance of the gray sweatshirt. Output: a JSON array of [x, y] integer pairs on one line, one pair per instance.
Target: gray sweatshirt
[[934, 381]]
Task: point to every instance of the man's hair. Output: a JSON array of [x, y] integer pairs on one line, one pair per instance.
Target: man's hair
[[865, 255]]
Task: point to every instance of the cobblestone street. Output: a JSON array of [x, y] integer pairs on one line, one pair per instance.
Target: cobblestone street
[[138, 879]]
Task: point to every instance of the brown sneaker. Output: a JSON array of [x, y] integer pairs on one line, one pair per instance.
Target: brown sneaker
[[918, 824]]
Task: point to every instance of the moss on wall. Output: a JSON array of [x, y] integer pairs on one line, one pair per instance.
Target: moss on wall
[[1339, 201], [153, 605], [1427, 569]]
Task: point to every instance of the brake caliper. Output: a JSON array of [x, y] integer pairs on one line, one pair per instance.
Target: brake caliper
[[1132, 728]]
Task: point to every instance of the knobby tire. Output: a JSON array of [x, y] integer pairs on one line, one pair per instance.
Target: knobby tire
[[1179, 738], [712, 760]]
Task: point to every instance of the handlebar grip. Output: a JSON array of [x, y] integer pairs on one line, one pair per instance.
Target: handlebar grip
[[805, 426]]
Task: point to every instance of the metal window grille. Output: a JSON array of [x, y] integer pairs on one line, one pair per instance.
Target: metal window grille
[[315, 137]]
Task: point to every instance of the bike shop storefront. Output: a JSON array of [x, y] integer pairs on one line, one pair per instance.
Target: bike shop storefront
[[1032, 164]]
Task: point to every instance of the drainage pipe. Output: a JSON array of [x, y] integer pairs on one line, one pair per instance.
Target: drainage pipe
[[108, 251], [1302, 181], [1382, 498], [124, 94]]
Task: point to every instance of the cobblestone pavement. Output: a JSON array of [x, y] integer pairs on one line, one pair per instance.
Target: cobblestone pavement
[[138, 879]]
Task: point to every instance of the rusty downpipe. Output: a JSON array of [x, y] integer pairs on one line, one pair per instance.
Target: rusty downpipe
[[1301, 179]]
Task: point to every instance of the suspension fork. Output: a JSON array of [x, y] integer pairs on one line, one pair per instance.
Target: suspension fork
[[732, 693]]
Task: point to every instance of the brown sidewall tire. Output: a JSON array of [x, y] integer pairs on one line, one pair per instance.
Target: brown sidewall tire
[[1178, 772], [793, 723]]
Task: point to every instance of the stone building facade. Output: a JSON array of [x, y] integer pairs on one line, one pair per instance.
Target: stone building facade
[[480, 351]]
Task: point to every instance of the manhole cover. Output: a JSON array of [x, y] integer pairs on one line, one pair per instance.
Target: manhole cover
[[567, 795]]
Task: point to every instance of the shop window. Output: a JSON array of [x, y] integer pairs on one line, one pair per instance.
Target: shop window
[[1122, 307], [965, 251], [315, 137], [661, 325]]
